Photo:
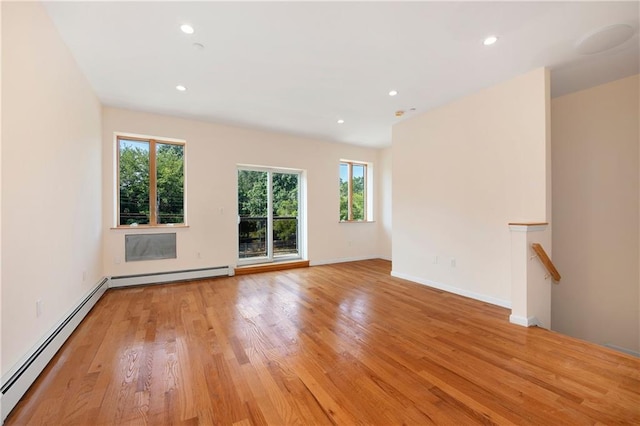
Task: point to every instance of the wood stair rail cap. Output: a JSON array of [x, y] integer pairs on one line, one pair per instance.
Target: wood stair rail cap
[[542, 255]]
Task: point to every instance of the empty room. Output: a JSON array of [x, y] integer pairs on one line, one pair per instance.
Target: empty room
[[246, 213]]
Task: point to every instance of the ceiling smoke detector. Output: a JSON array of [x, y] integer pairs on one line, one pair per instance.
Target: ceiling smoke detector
[[604, 38]]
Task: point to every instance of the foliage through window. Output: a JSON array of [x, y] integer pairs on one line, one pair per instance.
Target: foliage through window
[[353, 191], [268, 200], [151, 182]]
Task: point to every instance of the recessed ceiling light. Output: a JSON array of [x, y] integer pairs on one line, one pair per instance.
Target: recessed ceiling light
[[490, 40], [340, 121], [187, 29], [180, 88], [393, 93], [198, 46]]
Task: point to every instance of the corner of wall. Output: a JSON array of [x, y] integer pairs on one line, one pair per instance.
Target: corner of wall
[[384, 178]]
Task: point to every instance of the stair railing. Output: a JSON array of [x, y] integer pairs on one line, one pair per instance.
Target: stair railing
[[548, 264]]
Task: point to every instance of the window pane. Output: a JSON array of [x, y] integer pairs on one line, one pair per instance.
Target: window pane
[[134, 182], [170, 183], [285, 214], [252, 208], [358, 197], [253, 237], [344, 191]]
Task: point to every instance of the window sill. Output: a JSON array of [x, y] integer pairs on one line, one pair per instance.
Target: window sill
[[357, 221], [164, 227]]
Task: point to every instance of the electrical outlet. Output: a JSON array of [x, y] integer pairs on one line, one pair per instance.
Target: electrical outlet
[[39, 307], [453, 262], [116, 260], [199, 255], [435, 260], [84, 276]]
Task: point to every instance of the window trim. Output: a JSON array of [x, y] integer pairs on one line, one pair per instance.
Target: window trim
[[153, 184], [366, 217]]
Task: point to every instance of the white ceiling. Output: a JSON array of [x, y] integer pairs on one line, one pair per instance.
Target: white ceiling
[[298, 67]]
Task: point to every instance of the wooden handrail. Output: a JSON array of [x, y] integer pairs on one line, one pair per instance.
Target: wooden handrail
[[542, 255]]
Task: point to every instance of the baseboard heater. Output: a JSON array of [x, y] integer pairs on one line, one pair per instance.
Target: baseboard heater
[[173, 276], [19, 382]]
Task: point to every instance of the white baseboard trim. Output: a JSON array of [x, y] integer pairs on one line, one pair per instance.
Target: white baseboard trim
[[341, 260], [18, 380], [524, 321], [172, 276], [455, 290], [621, 349]]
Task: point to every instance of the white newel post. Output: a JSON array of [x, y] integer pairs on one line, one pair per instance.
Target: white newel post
[[530, 282]]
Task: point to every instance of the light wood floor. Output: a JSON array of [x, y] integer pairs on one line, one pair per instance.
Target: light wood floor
[[339, 344]]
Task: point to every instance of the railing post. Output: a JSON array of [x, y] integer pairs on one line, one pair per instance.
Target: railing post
[[530, 282]]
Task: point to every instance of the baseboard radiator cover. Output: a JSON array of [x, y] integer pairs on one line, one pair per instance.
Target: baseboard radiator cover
[[172, 276], [17, 384]]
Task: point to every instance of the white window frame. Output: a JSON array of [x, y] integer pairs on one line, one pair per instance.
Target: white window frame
[[368, 188], [302, 228]]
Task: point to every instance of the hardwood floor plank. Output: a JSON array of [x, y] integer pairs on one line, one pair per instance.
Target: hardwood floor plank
[[329, 398], [337, 344], [260, 394]]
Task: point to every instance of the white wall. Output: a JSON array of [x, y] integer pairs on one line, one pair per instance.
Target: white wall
[[596, 213], [461, 173], [0, 195], [213, 153], [51, 180], [384, 196]]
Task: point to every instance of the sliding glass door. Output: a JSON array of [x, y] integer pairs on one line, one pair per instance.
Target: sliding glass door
[[269, 212]]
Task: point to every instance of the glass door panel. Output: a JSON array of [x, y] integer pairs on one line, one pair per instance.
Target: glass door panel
[[285, 214], [253, 223]]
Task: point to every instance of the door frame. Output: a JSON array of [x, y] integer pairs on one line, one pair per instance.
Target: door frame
[[302, 209]]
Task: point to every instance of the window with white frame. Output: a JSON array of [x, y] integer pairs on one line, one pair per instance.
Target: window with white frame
[[354, 189]]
